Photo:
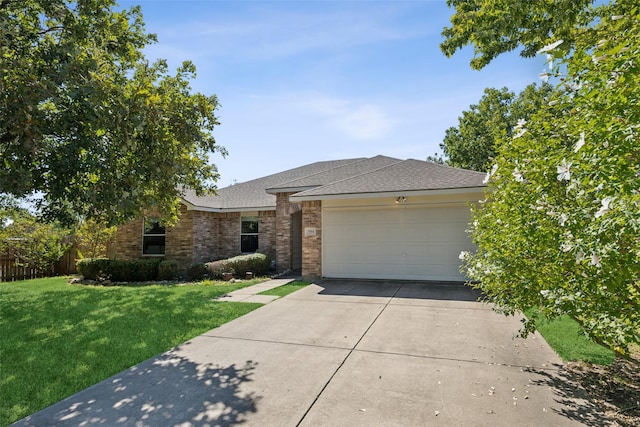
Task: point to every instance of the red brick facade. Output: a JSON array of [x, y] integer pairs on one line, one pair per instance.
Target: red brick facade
[[312, 240], [198, 236], [284, 210]]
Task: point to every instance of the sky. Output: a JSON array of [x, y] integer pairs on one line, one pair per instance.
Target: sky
[[305, 81]]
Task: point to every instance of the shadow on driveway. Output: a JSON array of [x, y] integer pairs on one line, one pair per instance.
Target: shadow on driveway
[[167, 390], [442, 291], [566, 393]]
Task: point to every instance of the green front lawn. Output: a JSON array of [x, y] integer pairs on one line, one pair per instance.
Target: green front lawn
[[566, 337], [57, 339], [285, 290]]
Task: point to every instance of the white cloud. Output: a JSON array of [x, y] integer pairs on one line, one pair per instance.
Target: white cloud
[[270, 32], [355, 120], [365, 122]]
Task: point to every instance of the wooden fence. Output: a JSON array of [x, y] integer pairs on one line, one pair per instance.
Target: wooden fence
[[10, 271]]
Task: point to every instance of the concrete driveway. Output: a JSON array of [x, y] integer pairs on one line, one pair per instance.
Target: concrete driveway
[[345, 354]]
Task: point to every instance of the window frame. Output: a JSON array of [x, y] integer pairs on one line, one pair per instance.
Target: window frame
[[145, 235], [250, 218]]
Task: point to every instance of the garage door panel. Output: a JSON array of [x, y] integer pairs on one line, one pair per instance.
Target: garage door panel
[[402, 243]]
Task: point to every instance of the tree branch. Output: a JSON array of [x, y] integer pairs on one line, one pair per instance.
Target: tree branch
[[5, 3], [48, 30]]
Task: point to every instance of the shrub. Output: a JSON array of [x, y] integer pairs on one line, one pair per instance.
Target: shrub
[[197, 272], [257, 263], [93, 268], [138, 270], [168, 270], [217, 268]]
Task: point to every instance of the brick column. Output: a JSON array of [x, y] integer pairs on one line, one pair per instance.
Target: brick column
[[284, 210], [267, 233], [312, 245]]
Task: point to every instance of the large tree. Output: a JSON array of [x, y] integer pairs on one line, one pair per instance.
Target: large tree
[[87, 122], [472, 144], [560, 224]]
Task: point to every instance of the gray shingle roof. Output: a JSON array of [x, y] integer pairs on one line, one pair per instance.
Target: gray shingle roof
[[408, 175], [378, 174], [252, 194], [336, 174]]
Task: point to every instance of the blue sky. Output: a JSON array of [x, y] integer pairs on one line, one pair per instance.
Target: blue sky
[[303, 81]]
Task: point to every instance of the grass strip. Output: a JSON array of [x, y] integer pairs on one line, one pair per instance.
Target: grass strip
[[284, 290], [58, 339], [568, 339]]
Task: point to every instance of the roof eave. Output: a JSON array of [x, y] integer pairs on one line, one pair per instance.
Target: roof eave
[[191, 207], [290, 189]]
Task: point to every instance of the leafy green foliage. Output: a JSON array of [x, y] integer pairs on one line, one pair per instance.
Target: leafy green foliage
[[88, 122], [197, 272], [498, 26], [256, 263], [92, 239], [30, 241], [472, 145], [93, 268], [136, 270], [559, 229], [58, 339], [168, 269]]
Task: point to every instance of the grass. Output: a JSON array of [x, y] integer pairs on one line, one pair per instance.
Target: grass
[[284, 290], [57, 339], [566, 337]]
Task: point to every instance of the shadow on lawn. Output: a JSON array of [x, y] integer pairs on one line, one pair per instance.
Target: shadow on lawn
[[56, 343], [167, 390]]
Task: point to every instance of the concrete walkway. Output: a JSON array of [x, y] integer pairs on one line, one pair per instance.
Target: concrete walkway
[[345, 354], [251, 293]]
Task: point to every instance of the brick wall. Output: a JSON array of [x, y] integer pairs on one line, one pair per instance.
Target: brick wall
[[179, 240], [127, 243], [267, 233], [205, 236], [284, 210], [228, 234], [312, 245], [197, 237]]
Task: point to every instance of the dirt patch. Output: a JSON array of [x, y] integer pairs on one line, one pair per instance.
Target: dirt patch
[[615, 389]]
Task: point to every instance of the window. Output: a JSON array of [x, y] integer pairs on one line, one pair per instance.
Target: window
[[153, 237], [249, 234]]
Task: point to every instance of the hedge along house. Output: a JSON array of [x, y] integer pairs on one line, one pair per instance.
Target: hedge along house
[[370, 218]]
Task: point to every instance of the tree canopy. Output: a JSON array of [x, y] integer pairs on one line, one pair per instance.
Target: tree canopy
[[472, 145], [560, 224], [499, 26], [87, 122]]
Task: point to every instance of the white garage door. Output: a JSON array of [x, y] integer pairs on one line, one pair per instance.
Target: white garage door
[[400, 242]]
